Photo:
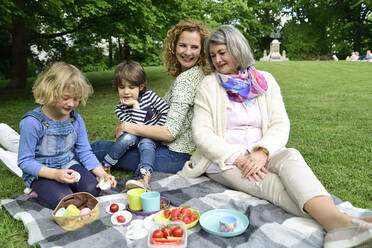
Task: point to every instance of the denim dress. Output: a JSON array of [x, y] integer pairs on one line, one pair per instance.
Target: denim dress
[[56, 146]]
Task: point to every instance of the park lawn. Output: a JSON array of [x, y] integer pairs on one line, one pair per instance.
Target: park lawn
[[328, 103]]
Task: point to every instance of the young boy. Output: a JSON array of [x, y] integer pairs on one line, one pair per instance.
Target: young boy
[[141, 106]]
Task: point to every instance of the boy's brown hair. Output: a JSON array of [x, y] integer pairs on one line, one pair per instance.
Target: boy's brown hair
[[132, 72]]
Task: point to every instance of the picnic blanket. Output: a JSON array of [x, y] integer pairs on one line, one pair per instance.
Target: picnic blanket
[[269, 226]]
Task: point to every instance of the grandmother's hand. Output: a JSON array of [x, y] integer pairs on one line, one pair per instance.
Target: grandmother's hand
[[252, 165]]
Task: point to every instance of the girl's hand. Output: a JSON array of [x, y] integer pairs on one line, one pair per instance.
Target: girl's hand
[[102, 175], [64, 176], [252, 165], [108, 177]]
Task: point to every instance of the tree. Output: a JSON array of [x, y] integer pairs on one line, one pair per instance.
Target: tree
[[48, 23], [323, 27], [256, 19], [30, 21]]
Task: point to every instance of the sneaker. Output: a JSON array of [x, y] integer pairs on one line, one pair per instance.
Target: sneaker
[[144, 182], [30, 192], [358, 234]]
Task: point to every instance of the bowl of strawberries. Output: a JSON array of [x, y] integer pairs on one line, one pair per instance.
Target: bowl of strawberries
[[178, 214]]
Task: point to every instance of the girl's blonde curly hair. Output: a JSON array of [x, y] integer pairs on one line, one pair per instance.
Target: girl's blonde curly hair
[[169, 51], [50, 84]]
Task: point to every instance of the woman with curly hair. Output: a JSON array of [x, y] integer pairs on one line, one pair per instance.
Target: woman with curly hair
[[184, 57]]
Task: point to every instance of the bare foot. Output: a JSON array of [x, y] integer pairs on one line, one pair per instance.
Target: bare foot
[[368, 219]]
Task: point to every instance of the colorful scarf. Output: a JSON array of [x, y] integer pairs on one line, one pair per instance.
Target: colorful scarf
[[245, 86]]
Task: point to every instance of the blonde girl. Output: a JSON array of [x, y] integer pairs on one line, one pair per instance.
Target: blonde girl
[[54, 152]]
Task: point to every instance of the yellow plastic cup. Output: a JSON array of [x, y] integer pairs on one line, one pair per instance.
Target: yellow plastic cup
[[134, 198]]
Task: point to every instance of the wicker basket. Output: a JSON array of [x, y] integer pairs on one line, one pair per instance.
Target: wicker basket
[[80, 200]]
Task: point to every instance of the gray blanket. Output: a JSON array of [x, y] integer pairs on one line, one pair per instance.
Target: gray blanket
[[269, 225]]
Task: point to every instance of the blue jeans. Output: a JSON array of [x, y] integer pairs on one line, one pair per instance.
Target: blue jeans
[[126, 141], [165, 160]]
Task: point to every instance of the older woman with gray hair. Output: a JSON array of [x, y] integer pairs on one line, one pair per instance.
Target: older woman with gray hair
[[241, 127]]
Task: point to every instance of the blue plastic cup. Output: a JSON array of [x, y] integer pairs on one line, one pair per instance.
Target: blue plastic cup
[[150, 201], [228, 223]]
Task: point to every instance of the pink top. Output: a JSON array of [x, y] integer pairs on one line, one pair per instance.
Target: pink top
[[354, 57], [243, 129]]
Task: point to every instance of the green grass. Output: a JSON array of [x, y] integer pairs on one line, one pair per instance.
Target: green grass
[[329, 105]]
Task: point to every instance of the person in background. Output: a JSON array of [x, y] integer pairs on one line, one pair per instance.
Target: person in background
[[241, 127], [136, 105], [185, 59], [54, 152], [354, 56], [368, 56]]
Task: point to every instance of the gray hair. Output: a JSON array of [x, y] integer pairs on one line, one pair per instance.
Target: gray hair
[[237, 45]]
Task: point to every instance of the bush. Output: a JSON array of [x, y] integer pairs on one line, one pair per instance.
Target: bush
[[96, 67]]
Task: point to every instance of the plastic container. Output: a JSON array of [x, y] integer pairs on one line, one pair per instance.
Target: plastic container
[[172, 224], [134, 198], [150, 201], [228, 223]]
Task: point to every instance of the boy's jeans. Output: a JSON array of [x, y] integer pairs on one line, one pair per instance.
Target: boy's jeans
[[165, 160], [126, 141]]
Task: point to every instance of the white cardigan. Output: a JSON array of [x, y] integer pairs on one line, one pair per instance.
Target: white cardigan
[[209, 124]]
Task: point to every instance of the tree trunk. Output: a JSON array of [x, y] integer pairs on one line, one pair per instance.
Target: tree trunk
[[110, 51], [119, 54], [19, 52]]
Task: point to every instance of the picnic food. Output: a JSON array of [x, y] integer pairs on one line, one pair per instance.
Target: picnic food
[[167, 213], [167, 231], [158, 234], [85, 211], [76, 175], [72, 210], [80, 209], [169, 234], [105, 185], [114, 208], [185, 214], [60, 212], [177, 232], [120, 218]]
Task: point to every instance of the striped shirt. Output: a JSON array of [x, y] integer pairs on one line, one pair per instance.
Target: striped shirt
[[153, 110]]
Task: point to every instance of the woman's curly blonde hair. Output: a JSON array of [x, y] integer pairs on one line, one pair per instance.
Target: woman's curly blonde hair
[[169, 51]]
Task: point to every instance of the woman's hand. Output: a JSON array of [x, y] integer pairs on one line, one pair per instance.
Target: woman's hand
[[119, 131], [252, 165]]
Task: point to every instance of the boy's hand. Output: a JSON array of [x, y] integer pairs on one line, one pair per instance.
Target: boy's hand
[[131, 103]]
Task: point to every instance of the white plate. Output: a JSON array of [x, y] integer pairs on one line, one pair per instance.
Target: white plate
[[127, 215], [121, 207]]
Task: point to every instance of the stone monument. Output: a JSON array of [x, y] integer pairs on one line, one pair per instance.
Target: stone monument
[[274, 54]]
